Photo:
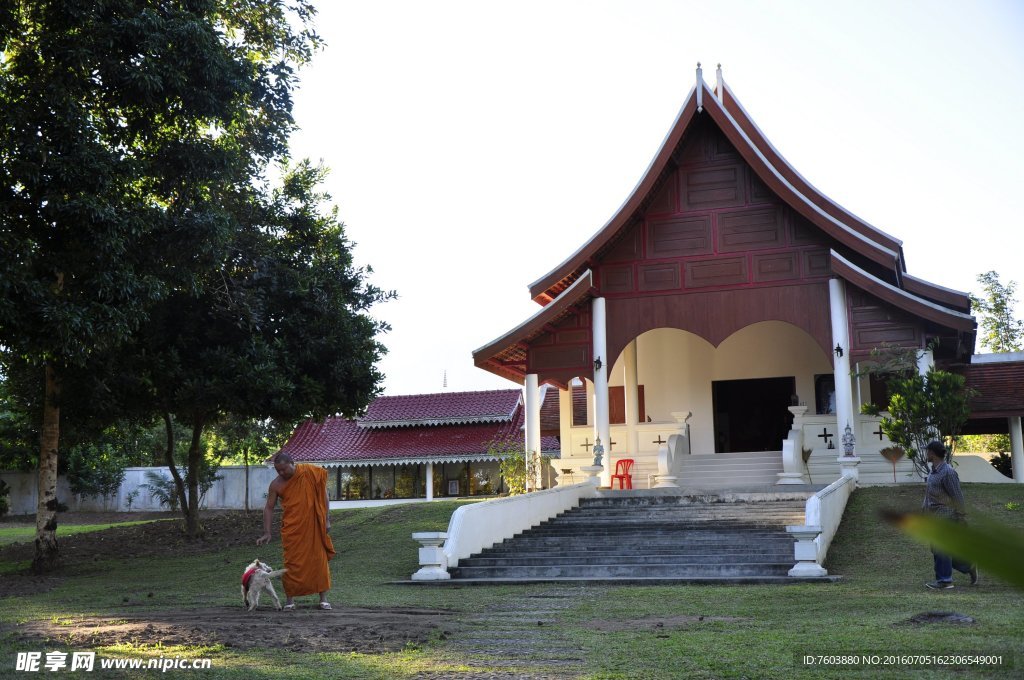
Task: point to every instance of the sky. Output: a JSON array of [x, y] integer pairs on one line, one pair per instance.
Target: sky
[[473, 146]]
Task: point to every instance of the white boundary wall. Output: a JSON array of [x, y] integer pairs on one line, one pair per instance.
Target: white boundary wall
[[227, 493]]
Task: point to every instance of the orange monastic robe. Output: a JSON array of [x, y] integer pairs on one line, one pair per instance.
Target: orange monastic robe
[[307, 546]]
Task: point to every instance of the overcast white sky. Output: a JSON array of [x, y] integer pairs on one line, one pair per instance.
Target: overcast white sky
[[474, 145]]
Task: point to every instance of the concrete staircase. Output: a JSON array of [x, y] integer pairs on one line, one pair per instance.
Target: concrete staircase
[[730, 470], [641, 536]]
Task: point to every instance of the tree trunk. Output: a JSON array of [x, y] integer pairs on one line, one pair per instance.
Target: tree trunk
[[245, 459], [179, 484], [195, 455], [46, 558]]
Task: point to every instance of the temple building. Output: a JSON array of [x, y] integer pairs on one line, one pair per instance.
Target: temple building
[[424, 445], [732, 304]]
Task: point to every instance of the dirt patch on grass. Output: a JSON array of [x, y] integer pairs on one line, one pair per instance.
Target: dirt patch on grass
[[304, 629], [658, 623]]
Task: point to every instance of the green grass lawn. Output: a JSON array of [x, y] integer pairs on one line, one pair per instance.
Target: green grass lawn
[[706, 631]]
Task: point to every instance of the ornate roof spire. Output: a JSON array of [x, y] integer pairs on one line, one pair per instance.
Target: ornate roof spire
[[700, 89], [720, 84]]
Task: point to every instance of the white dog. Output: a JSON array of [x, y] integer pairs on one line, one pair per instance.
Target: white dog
[[256, 579]]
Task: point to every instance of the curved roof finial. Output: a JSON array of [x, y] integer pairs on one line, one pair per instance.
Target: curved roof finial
[[720, 85]]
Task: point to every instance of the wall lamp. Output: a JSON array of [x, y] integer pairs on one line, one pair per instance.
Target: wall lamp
[[597, 364], [838, 350]]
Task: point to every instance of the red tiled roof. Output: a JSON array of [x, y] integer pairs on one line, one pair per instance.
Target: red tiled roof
[[446, 408], [1000, 387], [338, 440], [549, 410]]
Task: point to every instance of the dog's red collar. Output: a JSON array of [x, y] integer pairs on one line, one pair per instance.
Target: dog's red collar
[[247, 576]]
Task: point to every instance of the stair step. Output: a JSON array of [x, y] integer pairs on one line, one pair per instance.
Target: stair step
[[648, 537], [615, 570]]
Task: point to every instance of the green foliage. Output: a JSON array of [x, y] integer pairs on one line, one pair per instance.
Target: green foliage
[[985, 443], [1003, 462], [921, 408], [518, 473], [998, 330], [404, 485], [19, 434], [237, 440], [127, 131], [162, 489], [96, 469]]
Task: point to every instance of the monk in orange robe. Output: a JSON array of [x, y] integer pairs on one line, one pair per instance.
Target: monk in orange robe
[[305, 522]]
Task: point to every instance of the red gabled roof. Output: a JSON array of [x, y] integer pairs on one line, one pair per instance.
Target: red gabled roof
[[340, 440], [766, 163], [446, 408]]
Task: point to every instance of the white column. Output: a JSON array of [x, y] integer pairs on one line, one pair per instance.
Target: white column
[[632, 395], [841, 338], [565, 425], [925, 362], [430, 481], [532, 450], [600, 343], [1016, 450]]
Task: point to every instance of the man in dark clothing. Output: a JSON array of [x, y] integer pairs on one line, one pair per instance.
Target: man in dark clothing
[[943, 498]]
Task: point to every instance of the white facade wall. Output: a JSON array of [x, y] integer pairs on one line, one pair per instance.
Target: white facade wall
[[677, 368]]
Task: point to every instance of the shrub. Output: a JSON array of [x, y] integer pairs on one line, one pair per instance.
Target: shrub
[[1003, 462]]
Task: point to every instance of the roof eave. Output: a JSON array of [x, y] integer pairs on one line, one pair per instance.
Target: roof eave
[[539, 289], [902, 299]]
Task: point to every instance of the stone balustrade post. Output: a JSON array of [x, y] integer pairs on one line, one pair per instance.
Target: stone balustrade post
[[433, 561], [805, 550]]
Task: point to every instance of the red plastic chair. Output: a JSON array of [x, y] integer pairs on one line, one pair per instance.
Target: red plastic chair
[[622, 468]]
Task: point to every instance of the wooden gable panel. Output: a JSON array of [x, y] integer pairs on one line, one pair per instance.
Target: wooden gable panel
[[816, 263], [662, 276], [558, 357], [776, 267], [805, 233], [626, 248], [894, 334], [722, 271], [679, 237], [875, 323], [750, 229], [711, 187], [664, 201], [759, 191], [617, 278]]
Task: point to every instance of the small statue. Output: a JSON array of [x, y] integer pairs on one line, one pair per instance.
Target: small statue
[[848, 441], [598, 452]]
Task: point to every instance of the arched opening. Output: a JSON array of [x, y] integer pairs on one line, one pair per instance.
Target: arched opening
[[741, 388]]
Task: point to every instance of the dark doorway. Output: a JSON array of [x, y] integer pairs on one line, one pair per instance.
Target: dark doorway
[[752, 415]]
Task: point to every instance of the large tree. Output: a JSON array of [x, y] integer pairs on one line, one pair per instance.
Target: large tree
[[281, 329], [123, 124], [999, 330]]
